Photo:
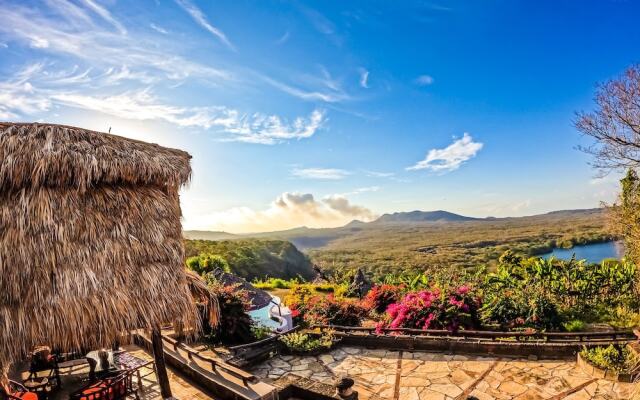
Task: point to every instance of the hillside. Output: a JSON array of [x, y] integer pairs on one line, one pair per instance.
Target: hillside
[[209, 235], [422, 216], [405, 243], [254, 258]]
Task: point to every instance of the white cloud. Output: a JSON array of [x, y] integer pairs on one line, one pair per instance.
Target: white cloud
[[158, 29], [72, 32], [320, 173], [105, 14], [377, 174], [283, 39], [424, 80], [364, 78], [325, 94], [254, 128], [451, 157], [357, 191], [289, 210], [201, 19]]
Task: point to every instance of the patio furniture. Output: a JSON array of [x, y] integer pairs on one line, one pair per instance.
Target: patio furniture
[[101, 364], [115, 388], [127, 361], [16, 391], [42, 361]]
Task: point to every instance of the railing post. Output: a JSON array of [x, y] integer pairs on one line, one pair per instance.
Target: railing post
[[161, 368]]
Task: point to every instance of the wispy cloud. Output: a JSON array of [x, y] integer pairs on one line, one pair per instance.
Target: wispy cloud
[[356, 191], [288, 210], [378, 174], [33, 90], [423, 80], [158, 29], [322, 24], [78, 36], [451, 157], [105, 15], [254, 128], [283, 39], [364, 78], [201, 20], [326, 95], [320, 173]]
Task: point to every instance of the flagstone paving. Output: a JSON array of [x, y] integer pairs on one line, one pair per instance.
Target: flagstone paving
[[437, 376]]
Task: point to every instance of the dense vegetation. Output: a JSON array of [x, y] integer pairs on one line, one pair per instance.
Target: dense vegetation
[[253, 258], [616, 358], [426, 247], [522, 293]]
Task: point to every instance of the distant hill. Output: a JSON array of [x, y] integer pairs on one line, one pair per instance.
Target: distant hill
[[423, 216], [256, 258], [209, 235]]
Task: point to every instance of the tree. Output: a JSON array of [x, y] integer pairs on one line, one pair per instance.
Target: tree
[[626, 215], [205, 263], [615, 124]]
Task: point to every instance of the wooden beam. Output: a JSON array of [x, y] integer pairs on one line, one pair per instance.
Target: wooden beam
[[161, 368]]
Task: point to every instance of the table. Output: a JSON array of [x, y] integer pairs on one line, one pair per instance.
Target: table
[[127, 361], [38, 385]]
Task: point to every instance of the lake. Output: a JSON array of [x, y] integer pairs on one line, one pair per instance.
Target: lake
[[593, 253]]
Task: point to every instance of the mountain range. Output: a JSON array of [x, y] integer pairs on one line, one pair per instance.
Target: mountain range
[[309, 238]]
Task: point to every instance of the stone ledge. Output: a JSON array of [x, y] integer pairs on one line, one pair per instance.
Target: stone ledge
[[601, 373]]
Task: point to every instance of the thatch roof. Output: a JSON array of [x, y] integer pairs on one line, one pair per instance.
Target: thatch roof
[[201, 294], [258, 297], [90, 238]]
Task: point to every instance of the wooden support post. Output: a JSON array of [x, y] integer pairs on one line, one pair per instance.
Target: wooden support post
[[161, 368]]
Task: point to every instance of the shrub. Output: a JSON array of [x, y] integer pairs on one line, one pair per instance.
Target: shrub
[[304, 342], [575, 325], [382, 296], [614, 357], [543, 313], [260, 332], [275, 283], [327, 310], [505, 309], [624, 318], [297, 300], [205, 263], [433, 309], [235, 323]]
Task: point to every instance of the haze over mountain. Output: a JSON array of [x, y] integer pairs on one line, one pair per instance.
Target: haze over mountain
[[423, 216], [310, 238]]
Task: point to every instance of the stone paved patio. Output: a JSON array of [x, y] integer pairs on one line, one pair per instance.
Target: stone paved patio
[[437, 376]]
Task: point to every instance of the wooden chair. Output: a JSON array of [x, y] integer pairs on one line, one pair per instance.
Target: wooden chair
[[15, 391], [118, 387]]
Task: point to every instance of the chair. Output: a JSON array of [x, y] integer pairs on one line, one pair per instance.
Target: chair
[[118, 387], [16, 391], [43, 360]]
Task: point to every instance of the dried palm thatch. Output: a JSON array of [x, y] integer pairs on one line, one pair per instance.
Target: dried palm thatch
[[201, 294], [90, 238]]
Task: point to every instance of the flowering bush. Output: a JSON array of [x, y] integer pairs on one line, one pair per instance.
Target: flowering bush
[[328, 310], [382, 296], [297, 301], [310, 309], [434, 309], [235, 323]]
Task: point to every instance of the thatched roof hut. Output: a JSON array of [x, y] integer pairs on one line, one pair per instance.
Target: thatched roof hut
[[90, 238], [258, 297]]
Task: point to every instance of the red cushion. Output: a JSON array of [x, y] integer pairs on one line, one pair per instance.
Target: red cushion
[[26, 396]]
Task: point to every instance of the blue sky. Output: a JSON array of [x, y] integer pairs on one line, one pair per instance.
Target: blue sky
[[318, 112]]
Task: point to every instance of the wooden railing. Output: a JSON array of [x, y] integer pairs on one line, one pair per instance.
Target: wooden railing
[[262, 342], [193, 354], [562, 337]]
